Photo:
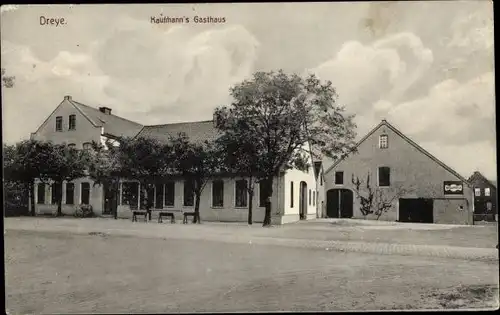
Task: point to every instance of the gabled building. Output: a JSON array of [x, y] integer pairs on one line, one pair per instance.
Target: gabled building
[[485, 197], [295, 193], [423, 187]]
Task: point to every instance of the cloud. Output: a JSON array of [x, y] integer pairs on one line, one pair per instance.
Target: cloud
[[146, 73]]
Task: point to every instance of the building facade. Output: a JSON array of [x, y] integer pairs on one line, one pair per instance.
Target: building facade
[[485, 198], [404, 179], [295, 193]]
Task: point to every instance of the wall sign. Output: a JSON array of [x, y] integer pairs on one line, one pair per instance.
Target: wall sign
[[453, 188]]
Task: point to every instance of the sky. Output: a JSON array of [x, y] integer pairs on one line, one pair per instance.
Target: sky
[[426, 67]]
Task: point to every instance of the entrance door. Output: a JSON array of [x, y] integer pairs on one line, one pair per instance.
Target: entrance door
[[303, 200], [419, 210], [339, 203], [110, 200]]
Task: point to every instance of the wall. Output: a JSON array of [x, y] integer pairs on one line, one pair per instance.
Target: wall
[[410, 169], [96, 201], [320, 201], [84, 131], [227, 213]]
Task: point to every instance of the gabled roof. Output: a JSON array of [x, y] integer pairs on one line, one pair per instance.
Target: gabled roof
[[411, 142], [113, 125], [477, 176], [197, 131]]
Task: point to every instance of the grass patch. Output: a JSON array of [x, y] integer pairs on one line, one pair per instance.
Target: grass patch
[[471, 296]]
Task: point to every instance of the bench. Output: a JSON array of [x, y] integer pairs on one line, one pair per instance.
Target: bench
[[188, 214], [166, 214], [136, 213]]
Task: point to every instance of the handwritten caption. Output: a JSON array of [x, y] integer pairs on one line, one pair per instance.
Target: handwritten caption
[[162, 19]]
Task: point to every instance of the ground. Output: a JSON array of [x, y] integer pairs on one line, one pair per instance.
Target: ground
[[58, 265]]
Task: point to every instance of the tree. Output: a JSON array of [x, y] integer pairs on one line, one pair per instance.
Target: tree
[[285, 116], [65, 164], [105, 168], [7, 81], [376, 200], [147, 161], [240, 158], [25, 162], [197, 163]]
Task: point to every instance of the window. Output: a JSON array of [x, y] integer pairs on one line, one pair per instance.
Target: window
[[309, 197], [321, 179], [217, 193], [70, 193], [169, 194], [159, 196], [59, 123], [291, 195], [383, 142], [487, 192], [41, 194], [87, 146], [56, 193], [489, 206], [130, 195], [188, 193], [264, 189], [384, 176], [339, 178], [241, 193], [72, 122], [85, 193], [314, 198], [477, 192], [147, 198]]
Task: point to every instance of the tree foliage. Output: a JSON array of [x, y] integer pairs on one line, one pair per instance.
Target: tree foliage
[[7, 80], [283, 117], [376, 200]]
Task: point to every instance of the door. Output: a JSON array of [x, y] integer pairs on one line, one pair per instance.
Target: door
[[110, 200], [417, 210], [303, 200], [339, 203]]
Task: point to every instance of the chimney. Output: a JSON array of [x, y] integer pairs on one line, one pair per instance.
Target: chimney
[[67, 97], [105, 110]]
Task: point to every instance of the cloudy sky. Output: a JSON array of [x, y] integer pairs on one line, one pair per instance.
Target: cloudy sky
[[427, 67]]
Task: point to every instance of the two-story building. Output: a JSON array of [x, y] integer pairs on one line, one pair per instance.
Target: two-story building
[[295, 193], [417, 186], [485, 198]]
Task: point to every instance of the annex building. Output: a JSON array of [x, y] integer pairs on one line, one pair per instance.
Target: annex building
[[297, 195], [420, 187]]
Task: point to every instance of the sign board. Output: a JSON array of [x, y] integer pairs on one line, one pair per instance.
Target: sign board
[[453, 188]]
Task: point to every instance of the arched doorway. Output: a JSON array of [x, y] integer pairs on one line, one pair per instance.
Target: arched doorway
[[303, 201], [339, 203]]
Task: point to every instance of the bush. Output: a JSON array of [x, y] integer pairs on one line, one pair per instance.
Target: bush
[[84, 211]]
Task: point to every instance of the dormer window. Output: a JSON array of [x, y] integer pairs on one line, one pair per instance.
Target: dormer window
[[87, 146], [59, 123], [383, 142], [72, 122]]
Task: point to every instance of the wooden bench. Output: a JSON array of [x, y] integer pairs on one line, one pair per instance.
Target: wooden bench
[[188, 214], [166, 214], [136, 213]]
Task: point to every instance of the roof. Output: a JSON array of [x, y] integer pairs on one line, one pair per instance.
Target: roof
[[411, 142], [113, 125], [477, 176], [197, 131]]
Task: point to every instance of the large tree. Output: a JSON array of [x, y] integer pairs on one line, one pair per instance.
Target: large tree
[[147, 161], [25, 162], [197, 162], [65, 164], [285, 116]]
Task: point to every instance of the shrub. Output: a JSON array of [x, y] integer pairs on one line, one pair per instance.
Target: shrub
[[84, 211]]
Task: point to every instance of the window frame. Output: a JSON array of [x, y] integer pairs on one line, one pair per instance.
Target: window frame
[[378, 176], [212, 203], [383, 144], [81, 193], [165, 190], [89, 146], [335, 179], [292, 197], [72, 193], [40, 198], [59, 123], [72, 118], [262, 186], [244, 194], [477, 192], [487, 192], [184, 199]]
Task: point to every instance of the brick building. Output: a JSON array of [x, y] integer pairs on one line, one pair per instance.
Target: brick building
[[485, 198], [424, 188], [296, 192]]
